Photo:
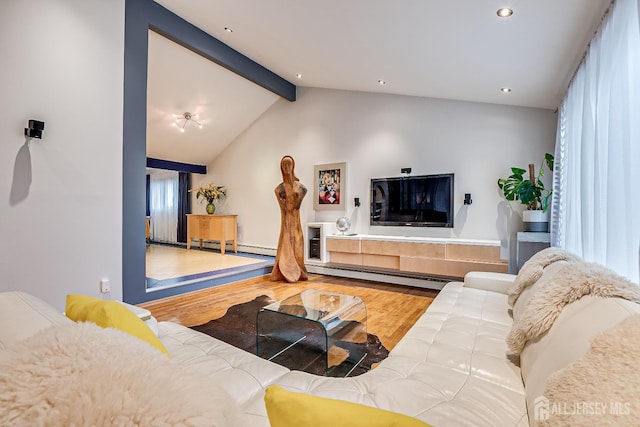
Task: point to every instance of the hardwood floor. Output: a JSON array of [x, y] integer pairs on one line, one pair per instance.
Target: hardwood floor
[[391, 309]]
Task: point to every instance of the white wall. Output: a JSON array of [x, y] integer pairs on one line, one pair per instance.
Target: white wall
[[61, 197], [377, 135]]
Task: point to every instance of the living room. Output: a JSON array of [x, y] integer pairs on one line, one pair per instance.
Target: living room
[[375, 133], [367, 129], [67, 224]]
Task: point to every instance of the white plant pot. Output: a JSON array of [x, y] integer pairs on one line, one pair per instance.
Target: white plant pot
[[536, 221]]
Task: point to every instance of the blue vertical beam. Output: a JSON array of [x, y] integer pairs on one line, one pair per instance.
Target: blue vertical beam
[[134, 151]]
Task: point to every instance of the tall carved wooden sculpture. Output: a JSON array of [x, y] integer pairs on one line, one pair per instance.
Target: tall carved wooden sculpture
[[289, 263]]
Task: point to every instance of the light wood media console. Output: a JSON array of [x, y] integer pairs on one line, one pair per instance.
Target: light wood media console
[[441, 257]]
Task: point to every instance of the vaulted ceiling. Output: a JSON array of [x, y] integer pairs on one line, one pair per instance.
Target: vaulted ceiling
[[180, 81], [458, 49]]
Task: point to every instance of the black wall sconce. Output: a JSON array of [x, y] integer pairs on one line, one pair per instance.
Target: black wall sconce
[[35, 129], [467, 199], [405, 170], [356, 201]]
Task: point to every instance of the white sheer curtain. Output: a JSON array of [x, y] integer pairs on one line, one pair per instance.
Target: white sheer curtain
[[596, 200], [163, 206]]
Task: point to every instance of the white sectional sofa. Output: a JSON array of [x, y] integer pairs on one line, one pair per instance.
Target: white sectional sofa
[[453, 368]]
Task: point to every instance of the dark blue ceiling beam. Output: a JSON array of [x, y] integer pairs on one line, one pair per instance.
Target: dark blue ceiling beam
[[171, 26], [175, 166]]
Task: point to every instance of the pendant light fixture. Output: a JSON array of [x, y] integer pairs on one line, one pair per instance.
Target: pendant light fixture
[[187, 117]]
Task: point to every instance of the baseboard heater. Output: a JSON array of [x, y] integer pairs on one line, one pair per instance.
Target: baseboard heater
[[258, 250], [379, 275], [250, 249], [392, 273]]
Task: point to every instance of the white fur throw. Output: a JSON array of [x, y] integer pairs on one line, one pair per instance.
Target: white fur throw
[[533, 268], [83, 375], [570, 283], [602, 388]]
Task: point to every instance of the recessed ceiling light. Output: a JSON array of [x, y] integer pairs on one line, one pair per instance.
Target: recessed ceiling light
[[504, 12], [299, 75], [228, 30], [505, 89], [382, 82]]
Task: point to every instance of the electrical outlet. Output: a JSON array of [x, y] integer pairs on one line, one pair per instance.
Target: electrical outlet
[[105, 286]]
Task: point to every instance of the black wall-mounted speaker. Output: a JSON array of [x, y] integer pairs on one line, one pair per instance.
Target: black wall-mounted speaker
[[35, 129]]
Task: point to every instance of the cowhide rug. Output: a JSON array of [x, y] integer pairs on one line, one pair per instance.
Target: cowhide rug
[[238, 328]]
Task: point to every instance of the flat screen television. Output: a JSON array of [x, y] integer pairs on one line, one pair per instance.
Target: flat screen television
[[415, 201]]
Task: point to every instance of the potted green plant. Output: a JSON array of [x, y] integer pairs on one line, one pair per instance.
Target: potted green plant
[[531, 193]]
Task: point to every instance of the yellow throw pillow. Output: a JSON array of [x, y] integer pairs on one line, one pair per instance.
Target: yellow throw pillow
[[110, 314], [290, 409]]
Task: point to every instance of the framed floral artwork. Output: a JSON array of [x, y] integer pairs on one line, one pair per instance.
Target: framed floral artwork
[[329, 187]]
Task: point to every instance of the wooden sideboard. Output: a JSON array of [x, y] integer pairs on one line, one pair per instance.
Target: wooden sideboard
[[447, 258], [222, 228]]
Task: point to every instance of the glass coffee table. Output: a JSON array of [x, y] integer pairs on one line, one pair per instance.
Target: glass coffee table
[[314, 331]]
